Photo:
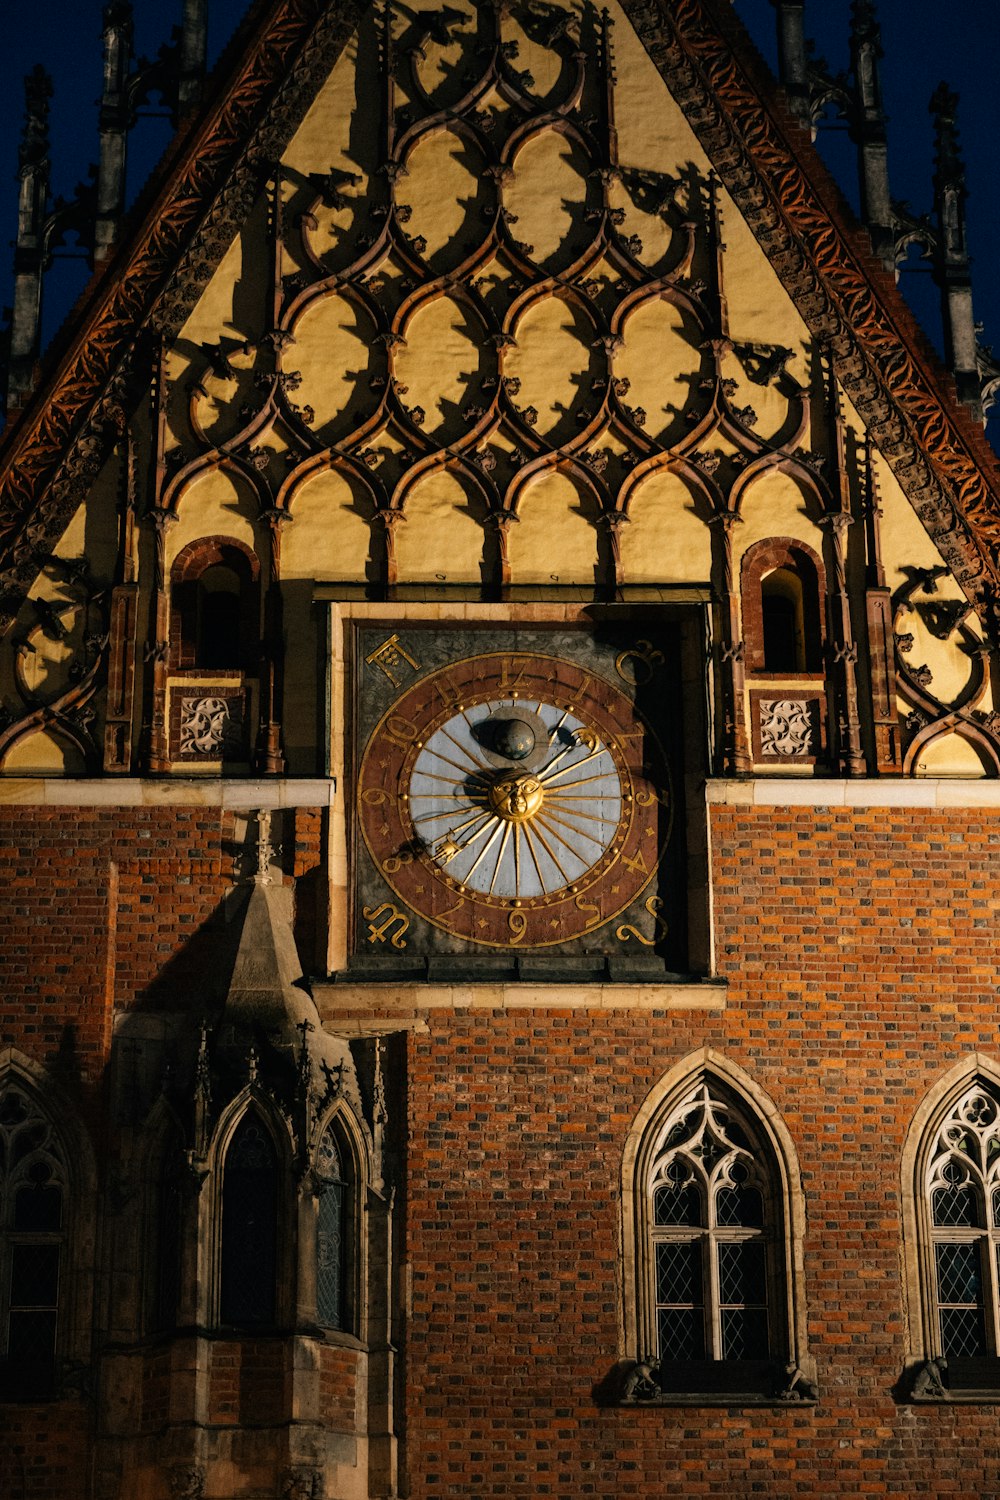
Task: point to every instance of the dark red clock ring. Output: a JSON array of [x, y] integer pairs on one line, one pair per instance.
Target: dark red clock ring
[[605, 730]]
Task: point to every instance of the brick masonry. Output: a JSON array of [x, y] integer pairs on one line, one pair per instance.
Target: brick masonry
[[859, 948]]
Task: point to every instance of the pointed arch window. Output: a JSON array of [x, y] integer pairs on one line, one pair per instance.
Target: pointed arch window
[[712, 1257], [331, 1234], [32, 1246], [709, 1244], [962, 1199], [250, 1192]]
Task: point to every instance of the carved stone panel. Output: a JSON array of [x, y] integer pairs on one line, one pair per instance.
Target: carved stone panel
[[787, 727]]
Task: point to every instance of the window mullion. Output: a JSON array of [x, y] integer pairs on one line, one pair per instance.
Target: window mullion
[[989, 1251], [713, 1314]]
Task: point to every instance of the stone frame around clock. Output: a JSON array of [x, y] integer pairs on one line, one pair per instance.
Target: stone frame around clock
[[684, 618]]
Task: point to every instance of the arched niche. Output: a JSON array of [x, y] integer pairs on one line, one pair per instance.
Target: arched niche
[[447, 189], [218, 502], [330, 534], [555, 539], [777, 504], [952, 755], [44, 753], [442, 365], [666, 539], [333, 340], [548, 192], [441, 538], [661, 360], [556, 363]]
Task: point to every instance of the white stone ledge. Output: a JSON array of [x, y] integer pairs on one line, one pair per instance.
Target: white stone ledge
[[789, 791], [408, 999], [165, 791]]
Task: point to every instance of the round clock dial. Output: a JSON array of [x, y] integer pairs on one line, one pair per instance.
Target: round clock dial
[[514, 800]]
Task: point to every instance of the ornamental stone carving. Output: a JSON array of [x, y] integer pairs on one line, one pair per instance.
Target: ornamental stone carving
[[787, 728], [203, 725]]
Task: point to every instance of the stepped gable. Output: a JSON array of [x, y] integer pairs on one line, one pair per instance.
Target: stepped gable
[[208, 181]]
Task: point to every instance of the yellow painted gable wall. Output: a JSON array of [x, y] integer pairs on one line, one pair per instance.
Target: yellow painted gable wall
[[443, 538]]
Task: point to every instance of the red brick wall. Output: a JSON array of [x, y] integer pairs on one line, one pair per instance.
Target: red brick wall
[[106, 908], [56, 1469], [338, 1384], [861, 956], [860, 949]]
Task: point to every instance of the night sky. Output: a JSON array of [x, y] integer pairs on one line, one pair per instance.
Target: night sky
[[924, 44]]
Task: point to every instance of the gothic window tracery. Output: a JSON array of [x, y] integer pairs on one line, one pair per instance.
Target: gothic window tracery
[[32, 1245], [709, 1236], [962, 1188], [714, 1219], [331, 1234]]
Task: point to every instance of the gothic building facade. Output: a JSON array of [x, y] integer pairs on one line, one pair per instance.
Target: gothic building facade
[[497, 761]]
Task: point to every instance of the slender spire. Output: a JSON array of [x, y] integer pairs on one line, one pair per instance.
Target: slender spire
[[952, 267], [793, 54], [113, 125], [868, 128], [33, 174], [193, 54]]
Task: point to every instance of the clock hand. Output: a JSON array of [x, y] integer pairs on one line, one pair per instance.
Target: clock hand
[[448, 846], [580, 737], [547, 774]]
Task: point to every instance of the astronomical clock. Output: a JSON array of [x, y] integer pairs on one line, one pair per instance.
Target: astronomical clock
[[516, 803]]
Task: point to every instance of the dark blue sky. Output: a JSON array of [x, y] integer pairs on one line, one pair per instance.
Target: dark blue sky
[[924, 43]]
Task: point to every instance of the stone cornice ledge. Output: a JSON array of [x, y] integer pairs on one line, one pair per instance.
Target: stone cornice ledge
[[390, 1000], [795, 791], [167, 791]]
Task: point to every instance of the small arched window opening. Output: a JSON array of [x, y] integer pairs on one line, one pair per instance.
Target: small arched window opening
[[333, 1209], [218, 629], [249, 1259], [32, 1246], [782, 588], [215, 624], [783, 621]]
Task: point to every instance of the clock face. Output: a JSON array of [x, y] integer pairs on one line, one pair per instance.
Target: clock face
[[514, 799]]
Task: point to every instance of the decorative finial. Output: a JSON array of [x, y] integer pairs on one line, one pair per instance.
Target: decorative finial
[[265, 849], [304, 1028], [864, 23]]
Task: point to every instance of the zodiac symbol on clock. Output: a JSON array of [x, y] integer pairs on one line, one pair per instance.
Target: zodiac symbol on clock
[[381, 920], [637, 664], [653, 905]]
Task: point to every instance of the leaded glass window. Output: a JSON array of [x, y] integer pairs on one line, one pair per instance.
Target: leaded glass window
[[249, 1226], [963, 1192], [32, 1235], [712, 1235], [331, 1238]]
